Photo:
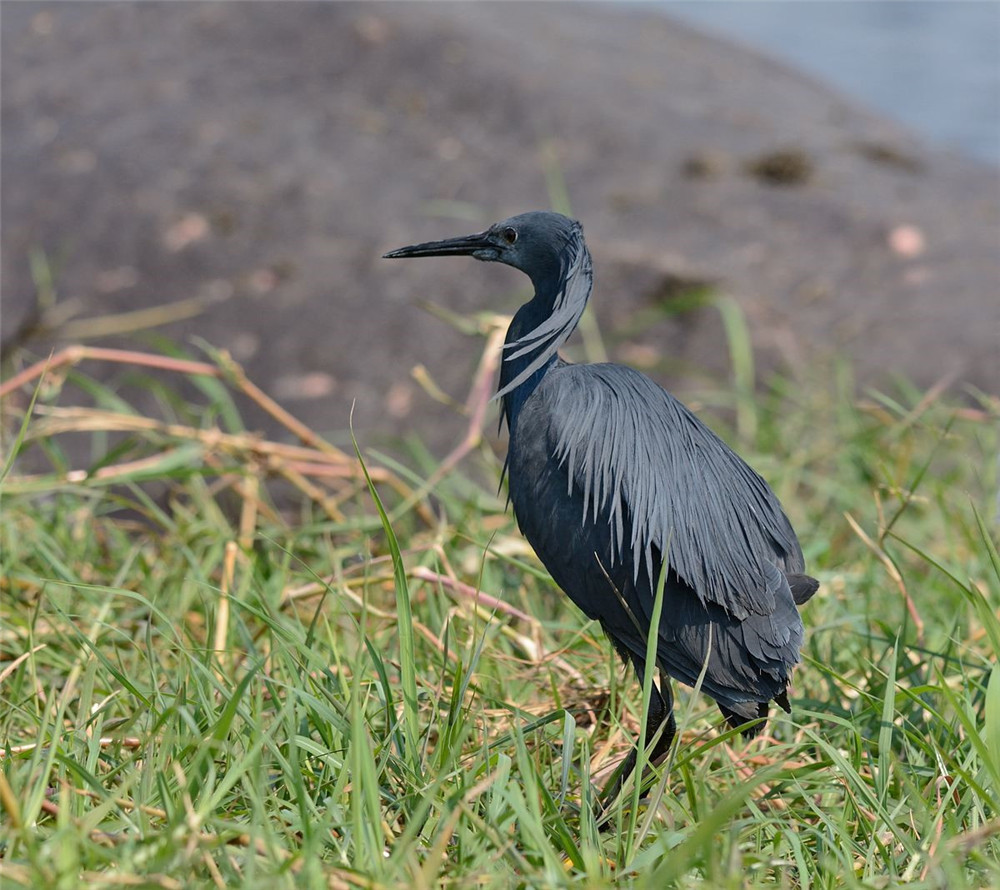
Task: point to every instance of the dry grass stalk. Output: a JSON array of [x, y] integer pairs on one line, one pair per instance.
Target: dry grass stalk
[[892, 571], [315, 458]]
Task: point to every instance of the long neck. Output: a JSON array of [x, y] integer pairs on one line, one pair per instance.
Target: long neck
[[526, 319], [540, 327]]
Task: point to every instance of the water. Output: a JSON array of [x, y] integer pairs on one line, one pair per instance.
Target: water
[[933, 65]]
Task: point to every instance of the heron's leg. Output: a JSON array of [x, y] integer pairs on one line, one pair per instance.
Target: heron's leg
[[661, 713], [665, 719]]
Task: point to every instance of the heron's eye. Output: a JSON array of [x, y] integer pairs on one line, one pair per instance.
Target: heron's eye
[[509, 235]]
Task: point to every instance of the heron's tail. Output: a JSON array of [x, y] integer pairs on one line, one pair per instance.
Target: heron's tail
[[802, 587], [739, 714], [746, 711]]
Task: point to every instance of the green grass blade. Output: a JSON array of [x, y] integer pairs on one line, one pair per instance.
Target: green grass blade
[[411, 716]]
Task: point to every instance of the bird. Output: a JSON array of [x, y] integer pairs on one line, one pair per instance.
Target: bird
[[613, 480]]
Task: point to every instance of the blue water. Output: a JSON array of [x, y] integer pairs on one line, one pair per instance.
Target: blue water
[[934, 65]]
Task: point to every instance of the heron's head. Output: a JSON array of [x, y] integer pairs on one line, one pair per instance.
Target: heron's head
[[538, 243]]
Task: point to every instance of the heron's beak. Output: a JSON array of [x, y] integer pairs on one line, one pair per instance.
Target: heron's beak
[[465, 246]]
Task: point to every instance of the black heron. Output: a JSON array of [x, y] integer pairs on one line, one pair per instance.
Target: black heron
[[609, 475]]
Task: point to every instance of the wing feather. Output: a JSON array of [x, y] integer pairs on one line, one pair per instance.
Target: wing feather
[[667, 484]]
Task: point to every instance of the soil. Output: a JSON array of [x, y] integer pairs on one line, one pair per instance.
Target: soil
[[259, 158]]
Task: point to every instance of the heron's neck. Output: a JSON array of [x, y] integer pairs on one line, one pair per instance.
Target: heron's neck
[[542, 325], [526, 319]]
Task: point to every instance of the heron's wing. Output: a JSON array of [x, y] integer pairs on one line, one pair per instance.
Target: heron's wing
[[668, 485]]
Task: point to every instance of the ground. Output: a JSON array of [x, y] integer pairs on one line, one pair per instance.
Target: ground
[[199, 690]]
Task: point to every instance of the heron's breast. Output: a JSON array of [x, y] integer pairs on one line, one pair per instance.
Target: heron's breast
[[576, 549]]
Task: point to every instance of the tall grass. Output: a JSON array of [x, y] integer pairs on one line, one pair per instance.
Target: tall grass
[[202, 687]]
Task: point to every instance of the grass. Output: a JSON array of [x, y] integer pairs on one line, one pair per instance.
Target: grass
[[227, 662]]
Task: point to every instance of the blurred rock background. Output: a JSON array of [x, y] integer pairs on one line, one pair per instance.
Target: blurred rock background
[[244, 166]]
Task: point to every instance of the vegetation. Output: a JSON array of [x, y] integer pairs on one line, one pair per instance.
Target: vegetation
[[230, 662]]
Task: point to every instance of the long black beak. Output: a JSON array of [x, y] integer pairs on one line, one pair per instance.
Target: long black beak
[[464, 246]]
